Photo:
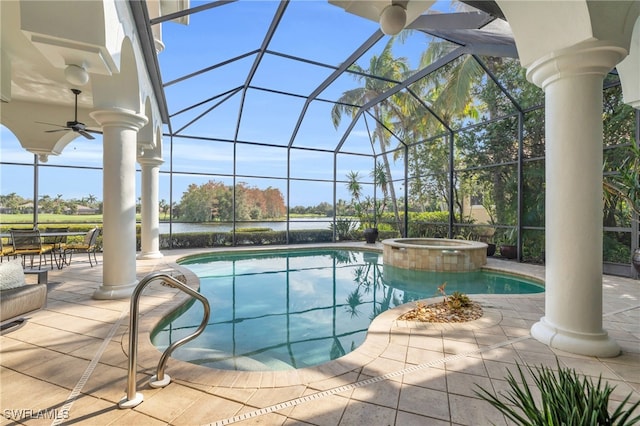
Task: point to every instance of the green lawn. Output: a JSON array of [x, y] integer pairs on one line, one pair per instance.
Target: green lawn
[[50, 218], [46, 218]]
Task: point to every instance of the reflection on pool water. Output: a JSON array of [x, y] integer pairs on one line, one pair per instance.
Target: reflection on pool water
[[289, 309]]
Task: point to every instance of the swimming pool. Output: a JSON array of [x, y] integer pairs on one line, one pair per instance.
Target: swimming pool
[[280, 310]]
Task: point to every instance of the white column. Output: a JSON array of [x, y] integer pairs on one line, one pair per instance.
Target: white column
[[120, 128], [150, 232], [629, 70], [572, 80]]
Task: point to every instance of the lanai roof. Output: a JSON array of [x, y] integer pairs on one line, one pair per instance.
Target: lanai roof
[[240, 66]]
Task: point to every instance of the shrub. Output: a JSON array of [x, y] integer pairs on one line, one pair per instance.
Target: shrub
[[253, 229], [565, 399], [344, 228], [458, 300], [303, 236], [614, 250], [260, 238], [429, 225]]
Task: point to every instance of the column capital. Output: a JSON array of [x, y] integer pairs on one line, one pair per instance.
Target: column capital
[[150, 161], [119, 117], [592, 57]]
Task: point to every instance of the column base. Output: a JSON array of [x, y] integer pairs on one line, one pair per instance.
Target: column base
[[108, 292], [589, 344], [150, 255]]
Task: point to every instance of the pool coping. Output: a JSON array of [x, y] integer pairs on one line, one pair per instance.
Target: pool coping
[[379, 334]]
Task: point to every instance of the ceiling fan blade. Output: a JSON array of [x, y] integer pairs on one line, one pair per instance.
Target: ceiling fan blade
[[450, 21], [74, 125], [50, 124], [85, 134]]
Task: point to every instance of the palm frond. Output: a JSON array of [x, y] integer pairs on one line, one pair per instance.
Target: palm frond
[[456, 94]]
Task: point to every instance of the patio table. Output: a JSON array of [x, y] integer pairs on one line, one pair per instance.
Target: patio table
[[59, 259]]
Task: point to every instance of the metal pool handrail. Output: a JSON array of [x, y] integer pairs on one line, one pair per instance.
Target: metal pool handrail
[[160, 379]]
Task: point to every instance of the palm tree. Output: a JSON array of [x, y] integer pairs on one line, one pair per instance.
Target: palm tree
[[45, 204], [383, 73], [451, 89], [91, 199], [449, 93], [57, 204], [354, 186], [380, 178]]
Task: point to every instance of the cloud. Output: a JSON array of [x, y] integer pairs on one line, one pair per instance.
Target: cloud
[[359, 134]]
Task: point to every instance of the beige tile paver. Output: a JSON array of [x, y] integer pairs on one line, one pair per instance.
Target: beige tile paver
[[325, 411], [363, 413], [430, 369], [423, 401]]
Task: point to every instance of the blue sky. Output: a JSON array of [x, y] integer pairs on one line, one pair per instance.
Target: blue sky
[[313, 30]]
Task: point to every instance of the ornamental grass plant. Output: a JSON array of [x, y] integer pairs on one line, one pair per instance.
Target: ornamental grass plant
[[565, 399]]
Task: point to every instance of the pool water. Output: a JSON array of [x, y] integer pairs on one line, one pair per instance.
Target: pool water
[[280, 310]]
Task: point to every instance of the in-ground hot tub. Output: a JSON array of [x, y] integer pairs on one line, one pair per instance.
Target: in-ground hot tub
[[434, 254]]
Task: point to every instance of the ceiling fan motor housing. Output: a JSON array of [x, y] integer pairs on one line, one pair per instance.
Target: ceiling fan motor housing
[[76, 125]]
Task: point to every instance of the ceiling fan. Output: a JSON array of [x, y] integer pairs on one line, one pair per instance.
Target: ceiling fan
[[74, 125]]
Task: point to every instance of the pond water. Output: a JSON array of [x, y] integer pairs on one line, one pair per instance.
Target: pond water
[[305, 223]]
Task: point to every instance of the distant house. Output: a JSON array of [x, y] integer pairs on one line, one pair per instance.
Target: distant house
[[80, 209], [26, 207], [85, 210]]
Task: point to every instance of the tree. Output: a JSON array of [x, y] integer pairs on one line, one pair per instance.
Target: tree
[[622, 161], [462, 91], [213, 201], [91, 199], [274, 203], [450, 88], [163, 206], [368, 209], [383, 73], [12, 201], [45, 204], [197, 202], [58, 204]]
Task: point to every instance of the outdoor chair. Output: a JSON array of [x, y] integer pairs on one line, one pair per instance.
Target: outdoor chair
[[6, 251], [58, 242], [17, 298], [89, 246], [27, 242]]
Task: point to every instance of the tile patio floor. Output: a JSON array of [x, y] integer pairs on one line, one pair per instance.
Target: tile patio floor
[[70, 360]]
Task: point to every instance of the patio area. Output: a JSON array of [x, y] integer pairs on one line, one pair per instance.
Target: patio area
[[70, 360]]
